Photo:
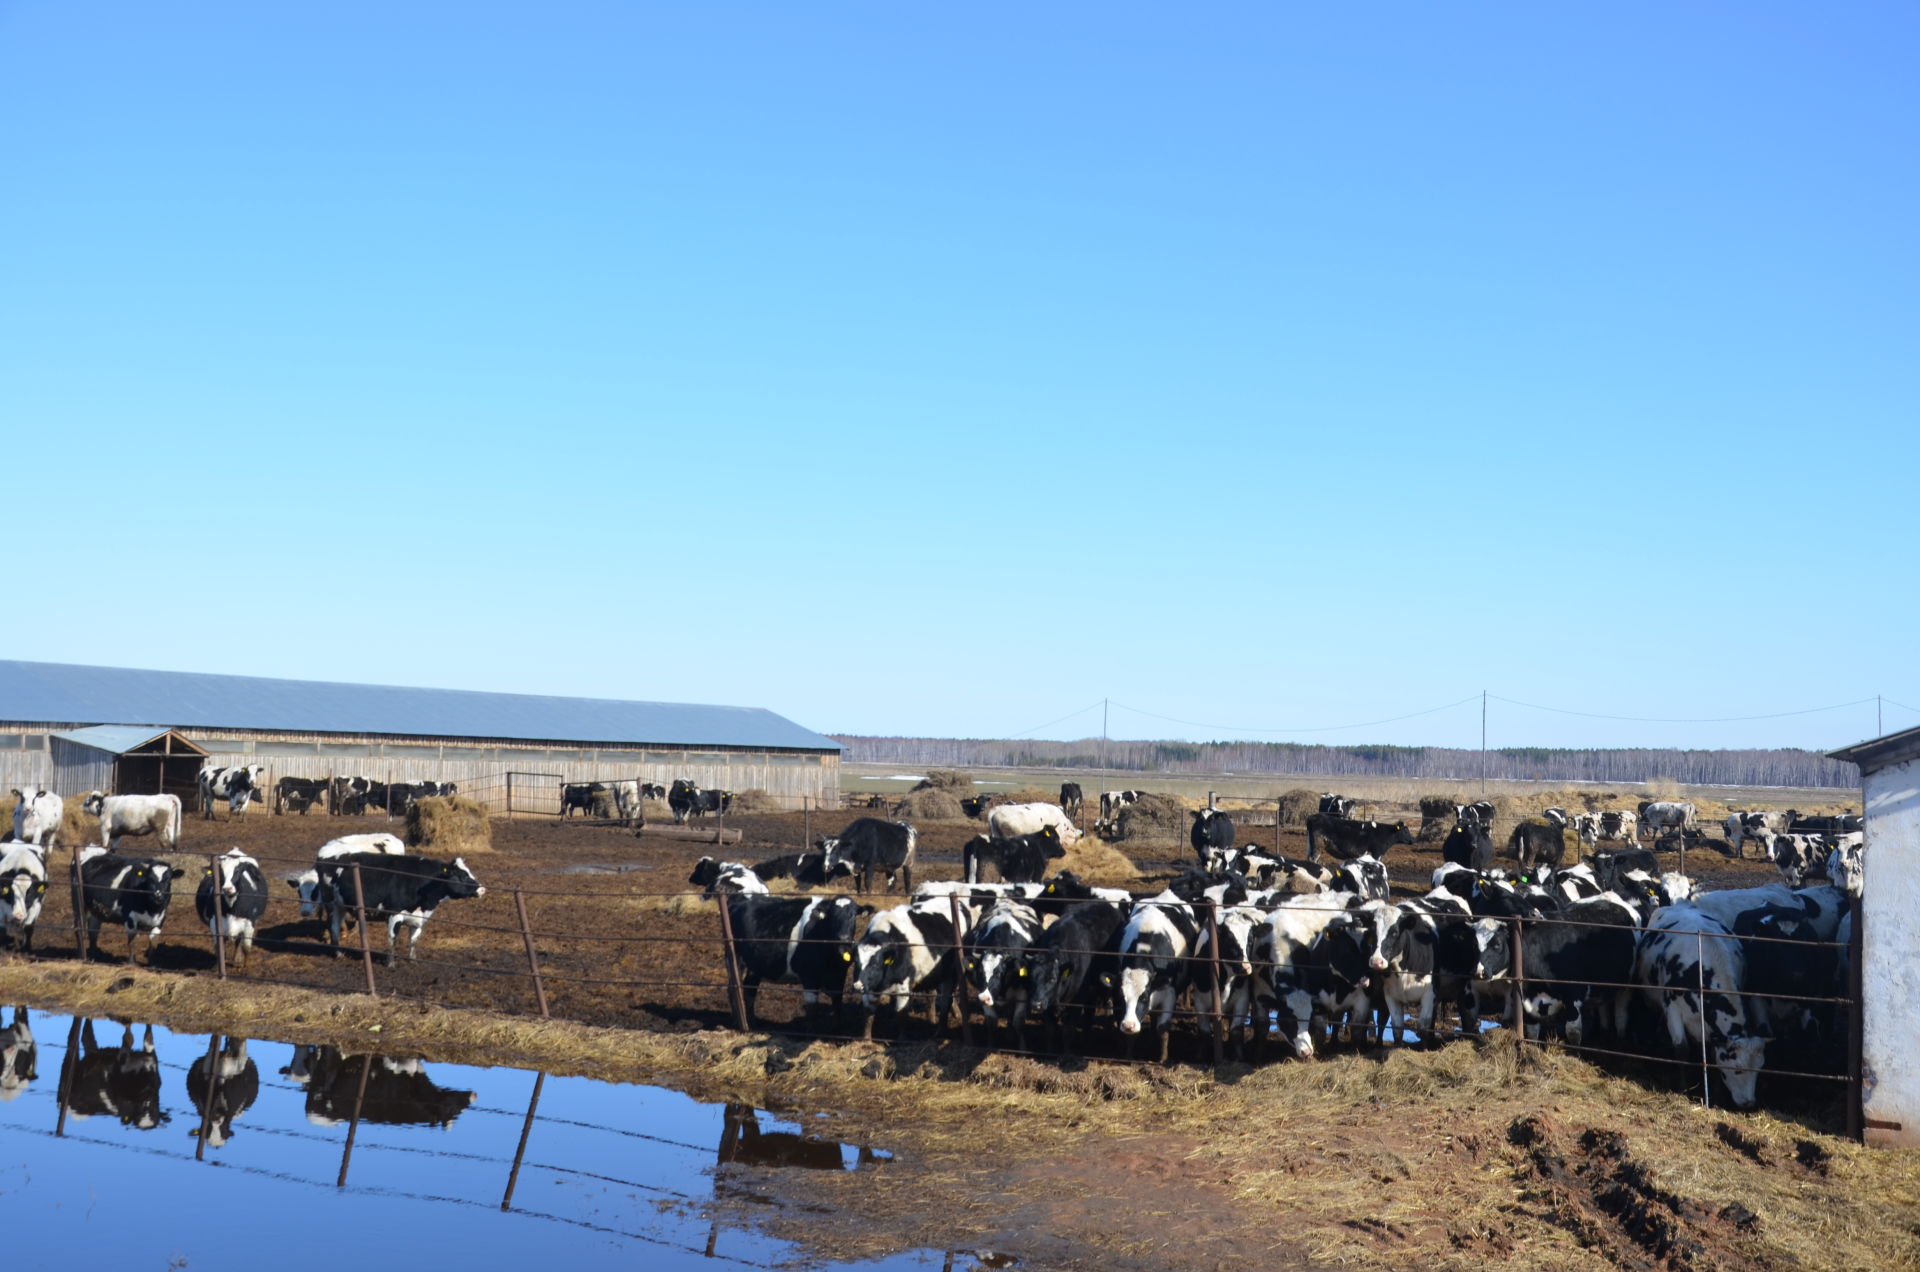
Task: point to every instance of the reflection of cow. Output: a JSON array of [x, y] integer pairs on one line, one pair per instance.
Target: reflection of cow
[[122, 1083], [742, 1142], [399, 1092], [236, 1086], [19, 1056]]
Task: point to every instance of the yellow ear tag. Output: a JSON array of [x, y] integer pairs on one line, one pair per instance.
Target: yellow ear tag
[[845, 957], [1023, 971]]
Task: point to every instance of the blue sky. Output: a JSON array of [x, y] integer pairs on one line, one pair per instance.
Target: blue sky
[[944, 371]]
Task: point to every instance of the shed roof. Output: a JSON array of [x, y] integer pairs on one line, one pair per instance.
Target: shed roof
[[1878, 753], [66, 693], [119, 738]]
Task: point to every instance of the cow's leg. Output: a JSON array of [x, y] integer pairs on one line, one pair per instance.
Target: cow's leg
[[749, 992]]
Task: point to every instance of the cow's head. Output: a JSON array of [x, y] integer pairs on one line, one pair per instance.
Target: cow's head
[[93, 803], [460, 880]]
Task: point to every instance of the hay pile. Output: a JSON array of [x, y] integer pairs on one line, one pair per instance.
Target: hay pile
[[933, 804], [1153, 817], [449, 825], [1296, 805], [76, 828], [1436, 817], [1100, 863], [1034, 795], [947, 780], [755, 800]]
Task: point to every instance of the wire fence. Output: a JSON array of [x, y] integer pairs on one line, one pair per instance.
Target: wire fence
[[567, 956]]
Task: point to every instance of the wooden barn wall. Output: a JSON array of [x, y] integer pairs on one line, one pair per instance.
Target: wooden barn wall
[[23, 757], [79, 769]]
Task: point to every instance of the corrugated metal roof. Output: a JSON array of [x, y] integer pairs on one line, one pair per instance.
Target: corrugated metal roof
[[60, 692], [1878, 753], [117, 738]]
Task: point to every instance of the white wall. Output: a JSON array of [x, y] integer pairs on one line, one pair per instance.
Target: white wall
[[1891, 963]]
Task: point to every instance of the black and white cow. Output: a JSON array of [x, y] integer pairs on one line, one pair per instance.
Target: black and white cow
[[652, 790], [306, 884], [403, 891], [1111, 802], [1536, 843], [1337, 805], [806, 869], [1556, 817], [1797, 856], [23, 890], [19, 1056], [870, 846], [1824, 824], [1365, 877], [1022, 859], [1009, 821], [380, 1089], [1346, 838], [1071, 798], [1479, 813], [808, 940], [1075, 962], [1240, 928], [1594, 827], [1153, 966], [353, 796], [1431, 957], [1211, 831], [1662, 817], [135, 816], [585, 797], [237, 785], [1754, 824], [37, 816], [715, 877], [997, 965], [242, 892], [1469, 846], [1321, 960], [132, 891], [1575, 963], [710, 801], [223, 1090], [1847, 864], [907, 950], [298, 794], [123, 1083], [682, 798], [1684, 951]]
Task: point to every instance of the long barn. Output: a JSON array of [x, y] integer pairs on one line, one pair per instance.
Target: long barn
[[125, 731]]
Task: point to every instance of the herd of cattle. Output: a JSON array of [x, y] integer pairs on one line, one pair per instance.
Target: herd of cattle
[[684, 799], [1607, 953]]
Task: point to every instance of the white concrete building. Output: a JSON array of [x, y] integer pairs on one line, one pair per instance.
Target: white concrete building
[[1890, 929]]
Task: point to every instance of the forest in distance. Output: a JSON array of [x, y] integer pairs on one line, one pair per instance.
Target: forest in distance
[[1784, 766]]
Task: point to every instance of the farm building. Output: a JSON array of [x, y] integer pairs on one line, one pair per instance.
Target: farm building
[[75, 729], [1890, 959]]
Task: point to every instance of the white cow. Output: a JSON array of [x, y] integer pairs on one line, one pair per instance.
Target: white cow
[[307, 883], [135, 815], [1009, 821], [626, 801], [37, 816], [1665, 817]]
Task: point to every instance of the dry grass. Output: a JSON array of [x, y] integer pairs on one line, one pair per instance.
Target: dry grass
[[1153, 818], [449, 825], [947, 780], [934, 804], [756, 800], [76, 827], [1034, 795], [1100, 863], [1296, 805]]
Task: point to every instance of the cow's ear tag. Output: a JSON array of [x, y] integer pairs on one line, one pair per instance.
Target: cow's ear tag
[[1023, 971], [845, 957]]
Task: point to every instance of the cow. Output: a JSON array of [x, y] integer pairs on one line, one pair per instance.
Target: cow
[[1536, 843], [744, 1143], [1347, 839], [1153, 966], [1111, 802], [1836, 824], [377, 1089], [404, 891], [1846, 864], [1337, 805], [1594, 827], [19, 1056], [803, 939], [682, 796], [123, 1083], [1556, 817], [977, 805], [907, 950], [37, 816], [237, 785], [224, 1089], [806, 869], [1364, 877], [1437, 812], [400, 797], [23, 890], [236, 880], [1754, 824], [353, 796], [585, 796], [1211, 830], [1575, 965], [306, 884], [1662, 817], [1008, 821], [710, 801], [996, 964], [298, 794], [1074, 963], [715, 877], [1071, 799], [1479, 813], [652, 790], [626, 802], [1431, 956], [869, 846], [1067, 889], [124, 816], [1468, 845], [133, 891], [1611, 869], [1022, 859], [1684, 952], [1320, 959]]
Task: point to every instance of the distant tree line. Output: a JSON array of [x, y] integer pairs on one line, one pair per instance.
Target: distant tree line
[[1782, 767]]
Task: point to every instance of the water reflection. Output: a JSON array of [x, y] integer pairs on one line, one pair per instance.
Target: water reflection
[[122, 1083], [372, 1089], [19, 1057], [222, 1084], [743, 1141]]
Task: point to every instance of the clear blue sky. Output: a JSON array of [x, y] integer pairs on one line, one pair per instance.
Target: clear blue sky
[[944, 369]]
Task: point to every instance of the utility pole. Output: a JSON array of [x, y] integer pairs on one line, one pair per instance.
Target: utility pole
[[1104, 764], [1879, 724], [1483, 741]]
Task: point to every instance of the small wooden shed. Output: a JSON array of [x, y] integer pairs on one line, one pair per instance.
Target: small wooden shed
[[126, 759]]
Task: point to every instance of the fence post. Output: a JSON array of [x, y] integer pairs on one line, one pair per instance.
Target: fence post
[[533, 961], [960, 968], [509, 794], [219, 922], [1519, 985], [806, 823], [353, 1127], [79, 910], [1856, 1024], [1700, 979], [69, 1067], [360, 912], [736, 992], [526, 1129], [1213, 974]]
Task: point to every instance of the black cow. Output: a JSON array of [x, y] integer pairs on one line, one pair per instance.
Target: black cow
[[1479, 813], [122, 1083], [806, 869], [1071, 799], [404, 891], [1347, 838], [1211, 830], [1338, 805], [996, 963], [803, 939], [298, 794], [1074, 963], [1022, 859], [681, 798], [869, 846], [1846, 823], [1610, 869], [1469, 846], [1573, 968], [708, 801], [396, 1093], [242, 891], [230, 1084], [977, 805], [585, 796], [1536, 843], [133, 891], [742, 1142]]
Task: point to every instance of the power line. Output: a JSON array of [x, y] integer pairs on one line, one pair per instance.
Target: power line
[[1903, 706], [1049, 724], [1325, 728], [1595, 715]]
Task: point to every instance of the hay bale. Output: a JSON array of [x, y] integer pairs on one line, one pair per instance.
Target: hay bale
[[449, 825], [605, 807], [755, 800], [1436, 817], [1153, 817], [1034, 795], [947, 780], [76, 828], [1100, 863], [931, 804]]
